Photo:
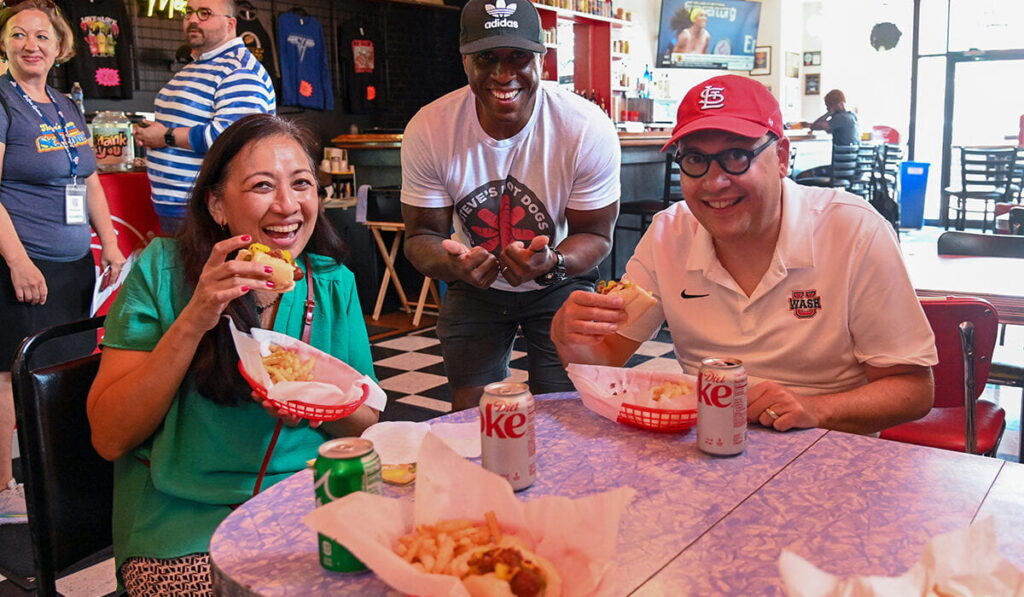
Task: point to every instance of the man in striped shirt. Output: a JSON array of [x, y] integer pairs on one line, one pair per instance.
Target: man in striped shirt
[[223, 84]]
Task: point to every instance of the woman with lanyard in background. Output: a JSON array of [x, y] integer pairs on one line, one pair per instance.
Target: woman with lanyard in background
[[49, 195]]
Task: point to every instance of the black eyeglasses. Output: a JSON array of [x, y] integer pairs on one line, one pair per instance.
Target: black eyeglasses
[[203, 14], [733, 161]]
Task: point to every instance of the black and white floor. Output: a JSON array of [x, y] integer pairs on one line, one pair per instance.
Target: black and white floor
[[411, 371]]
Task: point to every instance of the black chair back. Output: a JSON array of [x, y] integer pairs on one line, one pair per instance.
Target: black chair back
[[987, 169], [68, 487], [673, 188], [861, 185], [1017, 221], [980, 244], [644, 209], [987, 176], [844, 164]]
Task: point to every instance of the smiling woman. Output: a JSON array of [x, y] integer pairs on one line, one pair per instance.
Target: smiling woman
[[49, 196], [168, 402]]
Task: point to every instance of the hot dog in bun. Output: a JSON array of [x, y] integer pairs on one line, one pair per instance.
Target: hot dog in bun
[[636, 301], [508, 570], [285, 271]]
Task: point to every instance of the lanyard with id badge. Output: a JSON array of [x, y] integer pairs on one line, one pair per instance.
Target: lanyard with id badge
[[75, 205]]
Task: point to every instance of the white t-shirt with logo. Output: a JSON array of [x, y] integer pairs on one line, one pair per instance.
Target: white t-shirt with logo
[[836, 295], [508, 190]]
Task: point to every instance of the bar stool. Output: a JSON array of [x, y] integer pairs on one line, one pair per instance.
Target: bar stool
[[367, 205], [645, 209]]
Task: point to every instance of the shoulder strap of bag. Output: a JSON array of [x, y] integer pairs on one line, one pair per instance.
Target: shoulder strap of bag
[[307, 320]]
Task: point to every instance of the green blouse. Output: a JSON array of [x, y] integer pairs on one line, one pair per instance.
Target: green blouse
[[172, 491]]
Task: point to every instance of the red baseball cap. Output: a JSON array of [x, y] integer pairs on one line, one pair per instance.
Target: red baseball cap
[[728, 103]]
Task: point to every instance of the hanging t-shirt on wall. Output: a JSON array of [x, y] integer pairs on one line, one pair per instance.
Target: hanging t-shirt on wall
[[256, 38], [361, 55], [102, 62], [305, 72]]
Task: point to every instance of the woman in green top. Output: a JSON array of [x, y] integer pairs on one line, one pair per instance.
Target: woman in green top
[[168, 404]]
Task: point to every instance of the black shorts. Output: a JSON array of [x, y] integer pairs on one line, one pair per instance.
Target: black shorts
[[477, 328], [68, 298]]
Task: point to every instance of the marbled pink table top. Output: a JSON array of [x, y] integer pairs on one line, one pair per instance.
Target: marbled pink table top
[[699, 524]]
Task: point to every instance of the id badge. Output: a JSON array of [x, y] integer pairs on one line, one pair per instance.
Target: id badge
[[74, 204]]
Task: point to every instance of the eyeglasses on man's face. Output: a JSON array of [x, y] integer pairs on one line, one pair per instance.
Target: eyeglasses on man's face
[[203, 14], [733, 161]]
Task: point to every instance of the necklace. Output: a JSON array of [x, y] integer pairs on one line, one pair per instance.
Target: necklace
[[260, 308]]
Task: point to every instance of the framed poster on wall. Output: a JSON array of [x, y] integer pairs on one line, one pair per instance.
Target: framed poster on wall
[[812, 84], [762, 61]]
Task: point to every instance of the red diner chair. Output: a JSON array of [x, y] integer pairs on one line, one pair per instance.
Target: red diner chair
[[965, 336]]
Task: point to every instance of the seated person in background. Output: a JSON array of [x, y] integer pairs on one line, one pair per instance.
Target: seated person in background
[[805, 285], [168, 404], [837, 120], [694, 39]]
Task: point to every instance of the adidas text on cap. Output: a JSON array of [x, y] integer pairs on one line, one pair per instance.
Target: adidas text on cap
[[492, 24], [730, 103]]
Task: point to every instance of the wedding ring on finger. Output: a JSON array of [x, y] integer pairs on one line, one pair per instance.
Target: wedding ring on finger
[[771, 413]]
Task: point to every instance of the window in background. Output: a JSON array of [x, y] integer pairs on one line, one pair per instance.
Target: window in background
[[931, 83], [986, 25], [934, 19]]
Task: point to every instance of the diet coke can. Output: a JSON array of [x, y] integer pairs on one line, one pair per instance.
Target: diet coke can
[[508, 440], [722, 406]]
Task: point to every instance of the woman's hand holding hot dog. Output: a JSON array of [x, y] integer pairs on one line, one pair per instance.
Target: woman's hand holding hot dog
[[221, 282]]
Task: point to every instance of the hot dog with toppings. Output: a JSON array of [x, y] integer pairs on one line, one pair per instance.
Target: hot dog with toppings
[[285, 274]]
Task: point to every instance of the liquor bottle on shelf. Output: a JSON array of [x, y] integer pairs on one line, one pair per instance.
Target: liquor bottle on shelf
[[643, 84]]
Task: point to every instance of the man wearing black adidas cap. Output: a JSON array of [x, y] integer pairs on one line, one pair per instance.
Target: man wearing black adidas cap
[[528, 175]]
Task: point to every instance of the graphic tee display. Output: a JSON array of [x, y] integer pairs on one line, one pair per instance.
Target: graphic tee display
[[257, 40], [102, 62], [361, 54], [305, 72]]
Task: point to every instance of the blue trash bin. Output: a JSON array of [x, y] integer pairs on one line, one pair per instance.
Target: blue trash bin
[[913, 182]]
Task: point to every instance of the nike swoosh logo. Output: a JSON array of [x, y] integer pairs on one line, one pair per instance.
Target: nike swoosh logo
[[690, 296]]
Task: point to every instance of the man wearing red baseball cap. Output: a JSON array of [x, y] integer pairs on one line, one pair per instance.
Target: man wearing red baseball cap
[[805, 285], [528, 176]]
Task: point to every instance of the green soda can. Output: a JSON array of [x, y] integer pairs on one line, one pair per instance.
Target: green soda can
[[343, 466]]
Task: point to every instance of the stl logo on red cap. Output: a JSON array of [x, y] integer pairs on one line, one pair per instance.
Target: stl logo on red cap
[[712, 98]]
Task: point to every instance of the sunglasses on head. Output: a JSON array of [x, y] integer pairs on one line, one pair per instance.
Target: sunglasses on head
[[12, 3]]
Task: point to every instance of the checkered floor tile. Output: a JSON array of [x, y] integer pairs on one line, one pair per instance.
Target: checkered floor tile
[[411, 371]]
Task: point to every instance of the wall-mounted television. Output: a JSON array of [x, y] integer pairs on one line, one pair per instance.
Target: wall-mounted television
[[720, 34]]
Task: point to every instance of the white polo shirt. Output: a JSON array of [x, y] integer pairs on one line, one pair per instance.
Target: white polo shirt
[[835, 296]]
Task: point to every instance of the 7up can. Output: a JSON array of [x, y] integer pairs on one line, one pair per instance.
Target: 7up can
[[343, 466]]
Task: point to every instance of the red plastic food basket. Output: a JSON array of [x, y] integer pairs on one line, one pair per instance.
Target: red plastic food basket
[[657, 419], [313, 412]]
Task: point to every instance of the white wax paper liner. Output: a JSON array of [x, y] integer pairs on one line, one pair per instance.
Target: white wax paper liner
[[604, 389], [336, 383], [578, 536]]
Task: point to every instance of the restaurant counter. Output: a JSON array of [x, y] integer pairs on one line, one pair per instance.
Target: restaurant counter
[[377, 159]]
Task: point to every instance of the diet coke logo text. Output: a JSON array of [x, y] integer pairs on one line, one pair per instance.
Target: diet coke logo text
[[496, 423], [714, 391]]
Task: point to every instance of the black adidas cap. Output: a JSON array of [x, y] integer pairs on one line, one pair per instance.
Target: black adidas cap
[[490, 24]]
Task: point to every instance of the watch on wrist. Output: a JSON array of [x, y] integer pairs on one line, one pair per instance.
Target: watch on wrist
[[169, 138], [557, 273]]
